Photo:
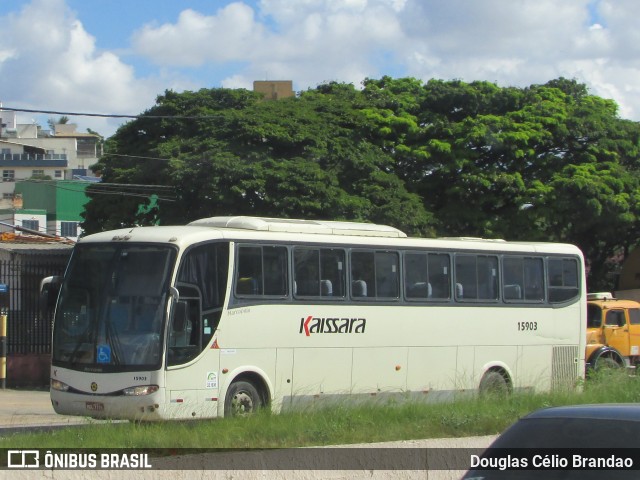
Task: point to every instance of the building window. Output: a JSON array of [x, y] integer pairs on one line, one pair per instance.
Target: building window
[[8, 175], [37, 173], [69, 229], [7, 196], [31, 224], [58, 174]]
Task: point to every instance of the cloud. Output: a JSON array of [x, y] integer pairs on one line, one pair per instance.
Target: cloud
[[511, 42], [230, 35], [307, 41], [49, 62]]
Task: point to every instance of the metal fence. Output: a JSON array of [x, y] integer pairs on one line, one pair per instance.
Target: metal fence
[[28, 330]]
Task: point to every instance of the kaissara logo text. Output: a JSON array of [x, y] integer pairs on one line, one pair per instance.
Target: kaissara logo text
[[313, 324]]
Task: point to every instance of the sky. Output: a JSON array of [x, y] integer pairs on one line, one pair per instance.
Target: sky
[[115, 57]]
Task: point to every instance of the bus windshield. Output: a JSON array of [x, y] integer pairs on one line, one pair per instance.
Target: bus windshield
[[112, 307]]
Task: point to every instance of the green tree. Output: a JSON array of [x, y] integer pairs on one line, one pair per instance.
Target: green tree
[[547, 162], [227, 152]]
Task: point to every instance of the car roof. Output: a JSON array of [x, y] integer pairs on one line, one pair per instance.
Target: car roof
[[608, 411]]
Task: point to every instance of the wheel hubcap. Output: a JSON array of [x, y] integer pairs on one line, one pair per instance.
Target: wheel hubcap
[[242, 403]]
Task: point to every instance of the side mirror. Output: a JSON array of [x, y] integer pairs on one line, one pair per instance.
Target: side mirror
[[49, 290]]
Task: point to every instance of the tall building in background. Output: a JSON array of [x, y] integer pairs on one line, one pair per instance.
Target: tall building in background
[[274, 89]]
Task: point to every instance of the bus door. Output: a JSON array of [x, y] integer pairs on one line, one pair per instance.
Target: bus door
[[192, 365], [616, 330]]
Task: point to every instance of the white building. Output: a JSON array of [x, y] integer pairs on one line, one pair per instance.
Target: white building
[[28, 152]]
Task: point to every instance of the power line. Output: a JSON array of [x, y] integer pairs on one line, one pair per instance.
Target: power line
[[108, 115], [135, 156], [146, 185], [128, 194], [111, 189]]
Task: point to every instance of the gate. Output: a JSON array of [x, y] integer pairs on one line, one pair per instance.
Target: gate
[[28, 330]]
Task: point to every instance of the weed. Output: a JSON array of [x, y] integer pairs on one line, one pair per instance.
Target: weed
[[340, 424]]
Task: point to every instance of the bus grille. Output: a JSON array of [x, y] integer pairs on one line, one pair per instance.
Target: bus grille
[[564, 368]]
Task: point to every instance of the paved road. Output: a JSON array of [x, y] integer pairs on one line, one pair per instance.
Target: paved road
[[22, 408], [25, 408]]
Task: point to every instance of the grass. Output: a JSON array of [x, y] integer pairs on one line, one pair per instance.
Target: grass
[[337, 425]]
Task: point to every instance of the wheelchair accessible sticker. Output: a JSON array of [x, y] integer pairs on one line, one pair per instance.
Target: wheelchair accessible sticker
[[103, 354]]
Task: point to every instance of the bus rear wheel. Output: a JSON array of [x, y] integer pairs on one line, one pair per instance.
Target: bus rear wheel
[[242, 399], [494, 383]]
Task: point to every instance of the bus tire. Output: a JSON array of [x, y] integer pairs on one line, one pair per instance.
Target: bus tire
[[604, 363], [242, 399], [494, 383]]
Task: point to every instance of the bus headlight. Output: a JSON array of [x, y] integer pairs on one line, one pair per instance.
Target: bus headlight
[[140, 390], [58, 385]]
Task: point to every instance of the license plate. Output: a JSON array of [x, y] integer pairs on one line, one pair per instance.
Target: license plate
[[95, 406]]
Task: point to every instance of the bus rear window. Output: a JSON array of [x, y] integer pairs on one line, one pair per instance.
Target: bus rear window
[[563, 279]]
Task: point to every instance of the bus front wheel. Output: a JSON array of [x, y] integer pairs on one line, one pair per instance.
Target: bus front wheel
[[242, 399]]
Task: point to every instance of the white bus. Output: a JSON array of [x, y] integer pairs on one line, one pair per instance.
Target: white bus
[[229, 314]]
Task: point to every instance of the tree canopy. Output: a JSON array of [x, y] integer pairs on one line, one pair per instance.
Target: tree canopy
[[548, 162]]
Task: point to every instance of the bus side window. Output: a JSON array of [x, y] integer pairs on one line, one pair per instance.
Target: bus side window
[[201, 284], [306, 272], [261, 270], [249, 271], [512, 276], [476, 277], [275, 260], [562, 279], [438, 274], [523, 278], [466, 277], [426, 276], [534, 279], [318, 272], [375, 274], [487, 277], [332, 272], [180, 334], [387, 271], [362, 274]]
